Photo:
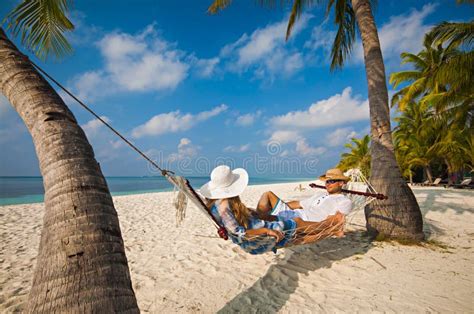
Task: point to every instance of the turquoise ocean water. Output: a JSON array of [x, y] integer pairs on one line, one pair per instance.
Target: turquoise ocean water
[[26, 190]]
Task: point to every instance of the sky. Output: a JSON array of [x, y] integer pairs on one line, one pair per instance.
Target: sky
[[194, 91]]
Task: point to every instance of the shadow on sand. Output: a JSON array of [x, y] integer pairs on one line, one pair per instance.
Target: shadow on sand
[[429, 201], [270, 293]]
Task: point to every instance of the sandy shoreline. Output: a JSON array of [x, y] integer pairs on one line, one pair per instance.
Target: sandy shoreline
[[189, 269]]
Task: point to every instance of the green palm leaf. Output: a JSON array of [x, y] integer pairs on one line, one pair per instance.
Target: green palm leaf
[[42, 24], [345, 35], [455, 34]]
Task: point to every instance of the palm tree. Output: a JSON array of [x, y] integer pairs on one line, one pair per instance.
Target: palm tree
[[414, 138], [399, 216], [358, 155], [81, 264], [456, 72], [441, 76]]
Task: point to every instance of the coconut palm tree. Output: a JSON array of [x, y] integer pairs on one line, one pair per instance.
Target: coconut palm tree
[[399, 216], [415, 136], [358, 155], [441, 75], [81, 264], [456, 71]]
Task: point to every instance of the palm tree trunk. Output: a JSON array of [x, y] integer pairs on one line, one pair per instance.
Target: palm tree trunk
[[450, 171], [399, 216], [81, 264], [428, 174]]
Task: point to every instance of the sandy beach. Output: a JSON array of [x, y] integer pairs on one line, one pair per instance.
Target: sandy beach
[[188, 269]]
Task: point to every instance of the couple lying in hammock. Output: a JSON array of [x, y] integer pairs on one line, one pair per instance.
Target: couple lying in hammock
[[294, 222]]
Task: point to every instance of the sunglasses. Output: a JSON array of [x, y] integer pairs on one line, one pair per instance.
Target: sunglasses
[[332, 181]]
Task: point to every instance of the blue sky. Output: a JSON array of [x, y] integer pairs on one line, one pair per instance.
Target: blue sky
[[194, 91]]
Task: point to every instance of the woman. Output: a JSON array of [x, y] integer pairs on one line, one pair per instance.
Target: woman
[[222, 193]]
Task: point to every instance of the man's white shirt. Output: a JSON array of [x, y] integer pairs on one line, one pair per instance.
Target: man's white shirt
[[321, 205]]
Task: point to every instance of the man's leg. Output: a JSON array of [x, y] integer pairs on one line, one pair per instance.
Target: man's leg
[[267, 202]]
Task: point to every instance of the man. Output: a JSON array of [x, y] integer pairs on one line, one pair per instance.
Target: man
[[314, 209]]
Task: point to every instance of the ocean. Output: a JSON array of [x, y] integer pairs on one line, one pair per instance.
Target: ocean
[[26, 190]]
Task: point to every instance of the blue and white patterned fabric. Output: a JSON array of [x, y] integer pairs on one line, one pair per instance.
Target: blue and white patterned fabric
[[258, 245]]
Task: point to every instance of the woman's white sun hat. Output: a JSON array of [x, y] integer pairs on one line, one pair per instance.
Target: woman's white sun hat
[[225, 183]]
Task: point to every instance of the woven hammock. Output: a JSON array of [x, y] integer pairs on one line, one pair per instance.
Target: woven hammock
[[333, 226]]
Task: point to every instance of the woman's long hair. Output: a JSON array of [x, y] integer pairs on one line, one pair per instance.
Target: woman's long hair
[[240, 211]]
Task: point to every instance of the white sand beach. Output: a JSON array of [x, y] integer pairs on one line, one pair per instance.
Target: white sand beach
[[189, 269]]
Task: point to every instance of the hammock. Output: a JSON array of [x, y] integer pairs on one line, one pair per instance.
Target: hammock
[[333, 226], [360, 192]]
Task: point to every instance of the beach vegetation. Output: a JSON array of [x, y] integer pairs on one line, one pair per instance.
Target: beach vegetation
[[81, 264], [436, 104], [358, 156]]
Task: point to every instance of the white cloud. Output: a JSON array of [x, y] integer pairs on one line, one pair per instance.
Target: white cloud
[[304, 149], [133, 63], [93, 127], [205, 67], [90, 86], [336, 110], [284, 137], [173, 122], [106, 144], [142, 62], [340, 136], [265, 51], [248, 119], [186, 149], [402, 33], [237, 149], [321, 38]]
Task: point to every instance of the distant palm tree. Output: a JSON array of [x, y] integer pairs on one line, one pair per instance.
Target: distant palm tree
[[414, 138], [358, 155], [421, 79], [399, 216], [441, 76], [81, 264], [456, 72]]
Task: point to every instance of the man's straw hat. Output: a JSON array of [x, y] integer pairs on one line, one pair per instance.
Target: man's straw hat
[[334, 174]]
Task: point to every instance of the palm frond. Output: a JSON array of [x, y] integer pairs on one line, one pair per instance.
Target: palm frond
[[413, 92], [403, 76], [295, 13], [218, 5], [418, 62], [457, 71], [455, 34], [42, 24], [345, 36]]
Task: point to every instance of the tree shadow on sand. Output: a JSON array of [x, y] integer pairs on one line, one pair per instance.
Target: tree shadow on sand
[[431, 203], [270, 293]]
